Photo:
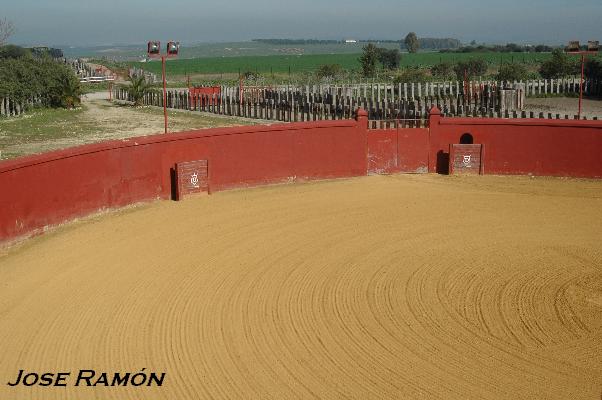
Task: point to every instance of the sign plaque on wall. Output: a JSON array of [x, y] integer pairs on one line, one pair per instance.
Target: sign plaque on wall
[[191, 177], [466, 159]]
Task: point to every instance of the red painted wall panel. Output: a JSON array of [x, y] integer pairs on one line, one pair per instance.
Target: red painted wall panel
[[48, 189], [523, 147], [414, 150], [398, 150]]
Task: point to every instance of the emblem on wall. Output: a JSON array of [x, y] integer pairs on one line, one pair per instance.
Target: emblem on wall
[[194, 180]]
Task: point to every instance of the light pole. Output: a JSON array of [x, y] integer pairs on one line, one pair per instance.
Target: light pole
[[154, 51], [575, 48]]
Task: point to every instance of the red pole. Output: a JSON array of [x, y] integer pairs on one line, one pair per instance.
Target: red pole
[[164, 93], [466, 88], [581, 85]]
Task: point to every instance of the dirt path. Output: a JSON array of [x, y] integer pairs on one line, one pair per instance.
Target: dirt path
[[383, 287]]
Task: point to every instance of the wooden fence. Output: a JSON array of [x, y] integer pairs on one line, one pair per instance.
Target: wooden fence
[[14, 108], [400, 105], [413, 91]]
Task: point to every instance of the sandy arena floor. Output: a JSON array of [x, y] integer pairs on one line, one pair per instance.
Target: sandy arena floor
[[424, 287]]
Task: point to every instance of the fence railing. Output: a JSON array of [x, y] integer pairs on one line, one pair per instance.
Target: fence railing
[[417, 90], [13, 108], [386, 102]]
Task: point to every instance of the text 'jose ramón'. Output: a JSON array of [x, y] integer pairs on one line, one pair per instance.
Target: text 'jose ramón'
[[89, 377]]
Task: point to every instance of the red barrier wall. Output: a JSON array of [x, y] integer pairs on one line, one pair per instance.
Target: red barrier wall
[[522, 147], [48, 189], [51, 188], [398, 150], [207, 94]]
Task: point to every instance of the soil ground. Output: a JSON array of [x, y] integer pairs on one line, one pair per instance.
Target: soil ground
[[564, 106], [380, 287], [96, 121]]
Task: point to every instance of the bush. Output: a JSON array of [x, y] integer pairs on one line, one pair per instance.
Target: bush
[[138, 87], [593, 69], [12, 51], [411, 75], [559, 66], [512, 72], [251, 75], [442, 70], [389, 58], [471, 69], [329, 71], [24, 77]]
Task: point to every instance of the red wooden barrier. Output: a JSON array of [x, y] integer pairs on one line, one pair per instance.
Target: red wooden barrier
[[47, 189], [522, 146], [398, 150]]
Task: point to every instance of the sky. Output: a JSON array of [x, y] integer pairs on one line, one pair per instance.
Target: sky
[[110, 22]]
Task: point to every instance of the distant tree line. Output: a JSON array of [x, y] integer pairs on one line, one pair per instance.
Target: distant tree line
[[506, 48], [296, 41], [25, 74], [425, 43]]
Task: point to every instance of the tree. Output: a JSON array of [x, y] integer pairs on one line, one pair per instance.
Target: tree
[[512, 72], [412, 43], [7, 29], [389, 58], [368, 60], [559, 66], [139, 86]]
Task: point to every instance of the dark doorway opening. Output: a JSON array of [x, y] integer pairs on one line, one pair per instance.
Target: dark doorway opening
[[466, 139], [442, 162]]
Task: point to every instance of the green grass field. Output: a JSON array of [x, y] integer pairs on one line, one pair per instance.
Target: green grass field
[[281, 64]]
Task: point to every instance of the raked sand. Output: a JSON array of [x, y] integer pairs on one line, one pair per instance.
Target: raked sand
[[381, 287]]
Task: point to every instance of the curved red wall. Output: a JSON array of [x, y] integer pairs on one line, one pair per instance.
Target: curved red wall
[[48, 189], [44, 190], [523, 146]]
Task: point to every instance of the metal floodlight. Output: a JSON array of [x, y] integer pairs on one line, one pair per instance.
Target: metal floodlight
[[154, 48], [593, 45], [573, 46], [154, 51], [173, 48]]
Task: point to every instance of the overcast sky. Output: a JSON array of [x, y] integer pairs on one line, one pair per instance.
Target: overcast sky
[[72, 22]]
